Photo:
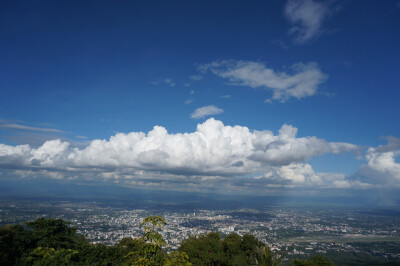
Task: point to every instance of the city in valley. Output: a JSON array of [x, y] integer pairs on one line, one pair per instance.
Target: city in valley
[[342, 234]]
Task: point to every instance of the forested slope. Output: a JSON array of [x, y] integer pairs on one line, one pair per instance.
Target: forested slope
[[48, 241]]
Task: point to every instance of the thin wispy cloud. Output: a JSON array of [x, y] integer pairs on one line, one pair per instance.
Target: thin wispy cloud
[[303, 81], [280, 43], [206, 111], [168, 81], [307, 17], [4, 124], [196, 77], [190, 100]]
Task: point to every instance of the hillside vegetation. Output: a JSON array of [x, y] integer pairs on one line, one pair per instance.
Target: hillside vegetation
[[48, 241]]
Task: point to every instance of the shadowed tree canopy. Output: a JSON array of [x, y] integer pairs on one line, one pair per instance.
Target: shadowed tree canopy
[[48, 241]]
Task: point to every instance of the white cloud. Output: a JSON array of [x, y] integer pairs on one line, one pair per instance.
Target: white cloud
[[206, 111], [302, 175], [213, 150], [304, 81], [188, 101], [299, 173], [307, 17], [381, 168], [287, 148], [214, 157]]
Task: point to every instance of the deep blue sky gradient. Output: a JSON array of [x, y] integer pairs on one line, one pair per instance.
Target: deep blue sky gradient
[[88, 68]]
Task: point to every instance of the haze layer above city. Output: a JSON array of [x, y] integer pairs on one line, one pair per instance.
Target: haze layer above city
[[296, 99]]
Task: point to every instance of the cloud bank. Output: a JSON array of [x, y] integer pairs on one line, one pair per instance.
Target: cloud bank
[[213, 151], [304, 80], [214, 156]]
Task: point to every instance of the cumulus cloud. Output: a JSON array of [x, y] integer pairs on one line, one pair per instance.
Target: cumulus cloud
[[212, 150], [299, 173], [206, 111], [303, 175], [307, 17], [287, 148], [381, 167], [215, 157], [304, 80]]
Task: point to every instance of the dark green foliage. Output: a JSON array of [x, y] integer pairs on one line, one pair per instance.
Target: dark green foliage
[[54, 233], [99, 254], [14, 240], [50, 256], [233, 250], [178, 259], [48, 241], [204, 250], [267, 258], [251, 247]]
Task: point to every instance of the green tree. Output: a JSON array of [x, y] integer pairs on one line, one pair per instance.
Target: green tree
[[150, 252], [100, 254], [204, 250], [250, 246], [268, 258], [177, 258], [233, 252], [50, 256], [14, 241], [52, 233]]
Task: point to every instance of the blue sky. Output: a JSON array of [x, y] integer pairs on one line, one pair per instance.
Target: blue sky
[[76, 74]]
